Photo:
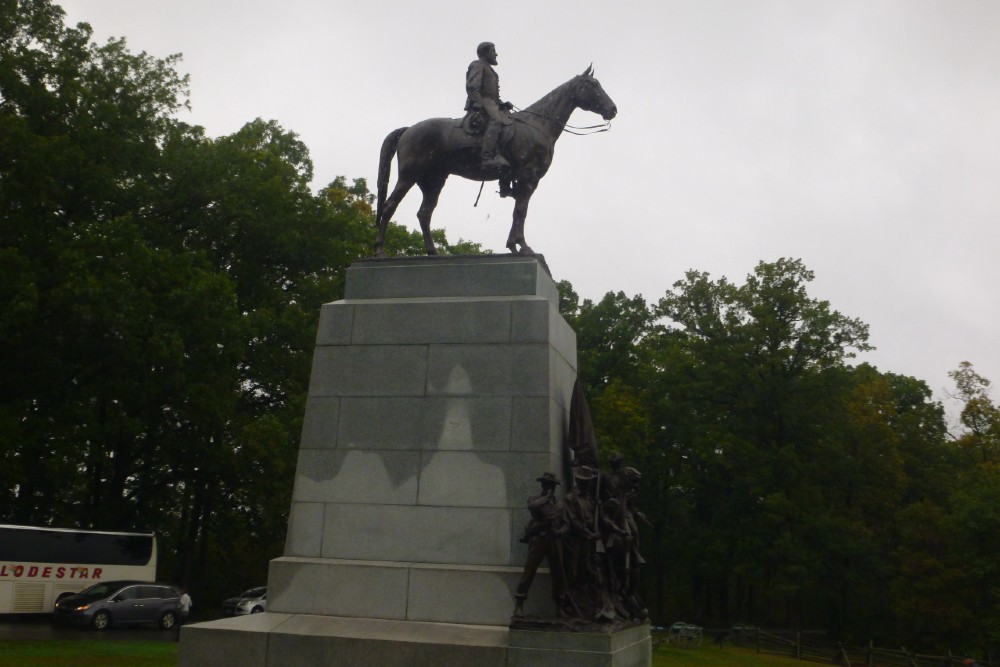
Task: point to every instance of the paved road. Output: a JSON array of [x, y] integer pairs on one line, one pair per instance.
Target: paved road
[[41, 628]]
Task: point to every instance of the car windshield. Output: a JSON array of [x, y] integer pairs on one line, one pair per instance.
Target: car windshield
[[98, 592], [253, 592]]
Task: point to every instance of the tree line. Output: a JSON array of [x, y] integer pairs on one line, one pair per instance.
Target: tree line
[[160, 291], [159, 294], [785, 486]]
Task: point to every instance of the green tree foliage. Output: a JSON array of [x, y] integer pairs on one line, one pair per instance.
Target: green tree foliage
[[780, 481], [980, 418], [950, 539], [161, 290], [754, 381]]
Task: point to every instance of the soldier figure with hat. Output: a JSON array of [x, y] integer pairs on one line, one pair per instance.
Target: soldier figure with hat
[[543, 536]]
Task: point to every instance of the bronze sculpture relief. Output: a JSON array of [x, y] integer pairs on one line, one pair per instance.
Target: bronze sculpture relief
[[591, 537], [544, 536]]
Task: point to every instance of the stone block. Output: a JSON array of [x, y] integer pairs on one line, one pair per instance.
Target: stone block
[[336, 321], [369, 370], [319, 427], [463, 479], [479, 277], [530, 320], [305, 530], [562, 338], [631, 647], [307, 641], [488, 370], [318, 586], [437, 593], [468, 536], [428, 423], [563, 376], [532, 423], [479, 479], [389, 322], [356, 476], [482, 596], [239, 641]]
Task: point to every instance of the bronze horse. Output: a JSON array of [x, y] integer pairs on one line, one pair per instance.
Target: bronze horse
[[433, 149]]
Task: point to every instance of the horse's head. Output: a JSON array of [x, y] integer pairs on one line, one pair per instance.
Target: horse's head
[[589, 95]]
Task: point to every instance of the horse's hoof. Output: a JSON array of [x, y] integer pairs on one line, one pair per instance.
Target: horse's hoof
[[524, 250]]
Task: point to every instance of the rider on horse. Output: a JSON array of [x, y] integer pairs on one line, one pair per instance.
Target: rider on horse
[[483, 87]]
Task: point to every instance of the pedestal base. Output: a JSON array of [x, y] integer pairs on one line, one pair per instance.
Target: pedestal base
[[462, 594], [299, 640], [631, 647]]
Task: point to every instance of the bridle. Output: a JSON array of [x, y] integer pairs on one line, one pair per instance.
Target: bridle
[[590, 129]]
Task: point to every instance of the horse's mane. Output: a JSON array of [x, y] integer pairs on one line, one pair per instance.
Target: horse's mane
[[545, 106]]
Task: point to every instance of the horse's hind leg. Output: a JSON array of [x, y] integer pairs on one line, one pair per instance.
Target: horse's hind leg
[[431, 189], [389, 209]]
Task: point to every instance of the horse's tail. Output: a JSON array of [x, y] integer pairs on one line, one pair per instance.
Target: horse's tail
[[384, 165]]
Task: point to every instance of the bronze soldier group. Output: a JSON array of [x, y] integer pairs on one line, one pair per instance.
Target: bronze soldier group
[[591, 542]]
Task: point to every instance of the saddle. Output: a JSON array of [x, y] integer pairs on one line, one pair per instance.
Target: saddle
[[473, 123]]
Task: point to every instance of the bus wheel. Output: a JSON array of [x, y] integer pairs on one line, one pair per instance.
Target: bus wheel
[[168, 620], [101, 620]]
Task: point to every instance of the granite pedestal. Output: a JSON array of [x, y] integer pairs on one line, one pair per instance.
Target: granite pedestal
[[440, 390]]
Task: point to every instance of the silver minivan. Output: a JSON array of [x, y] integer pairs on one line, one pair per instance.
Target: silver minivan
[[120, 603]]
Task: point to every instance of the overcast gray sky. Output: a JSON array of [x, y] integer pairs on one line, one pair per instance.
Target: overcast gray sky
[[862, 136]]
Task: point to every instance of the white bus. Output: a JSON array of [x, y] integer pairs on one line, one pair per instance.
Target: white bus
[[40, 565]]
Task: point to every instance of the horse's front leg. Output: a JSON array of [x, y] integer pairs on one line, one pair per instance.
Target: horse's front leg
[[522, 195]]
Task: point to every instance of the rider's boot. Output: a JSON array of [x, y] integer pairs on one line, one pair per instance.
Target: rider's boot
[[489, 157]]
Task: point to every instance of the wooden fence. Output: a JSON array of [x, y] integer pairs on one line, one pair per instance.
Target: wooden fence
[[812, 650]]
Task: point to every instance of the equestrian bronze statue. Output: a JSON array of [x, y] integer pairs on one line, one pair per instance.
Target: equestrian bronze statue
[[433, 149]]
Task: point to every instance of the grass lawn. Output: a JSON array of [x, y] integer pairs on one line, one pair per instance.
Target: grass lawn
[[87, 654], [669, 656], [164, 654]]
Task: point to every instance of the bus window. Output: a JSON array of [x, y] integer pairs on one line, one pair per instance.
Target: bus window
[[40, 565]]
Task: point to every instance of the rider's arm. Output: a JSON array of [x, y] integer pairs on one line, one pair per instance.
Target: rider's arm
[[474, 83]]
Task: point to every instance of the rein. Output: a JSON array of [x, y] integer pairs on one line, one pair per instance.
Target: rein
[[567, 128], [591, 129]]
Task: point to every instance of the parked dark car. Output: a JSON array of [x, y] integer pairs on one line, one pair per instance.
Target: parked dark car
[[120, 603], [252, 601]]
